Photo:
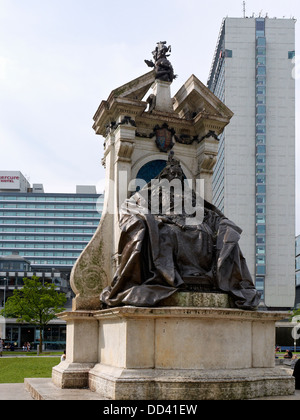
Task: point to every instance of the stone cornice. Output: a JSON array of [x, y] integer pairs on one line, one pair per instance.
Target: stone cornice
[[175, 312]]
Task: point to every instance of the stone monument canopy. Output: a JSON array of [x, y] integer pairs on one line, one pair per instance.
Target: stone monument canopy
[[194, 102], [165, 261]]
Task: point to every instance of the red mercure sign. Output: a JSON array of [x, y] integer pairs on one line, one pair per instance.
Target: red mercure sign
[[6, 179], [10, 180]]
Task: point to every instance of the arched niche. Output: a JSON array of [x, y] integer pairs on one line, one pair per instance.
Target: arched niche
[[149, 167]]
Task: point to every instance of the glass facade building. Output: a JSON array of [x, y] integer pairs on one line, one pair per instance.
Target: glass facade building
[[42, 234], [50, 230], [297, 266], [298, 261], [254, 177], [13, 270]]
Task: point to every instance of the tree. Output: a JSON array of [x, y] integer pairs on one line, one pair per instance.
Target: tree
[[295, 315], [36, 303], [296, 312]]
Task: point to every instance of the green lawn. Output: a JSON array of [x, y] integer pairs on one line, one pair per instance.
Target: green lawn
[[14, 370]]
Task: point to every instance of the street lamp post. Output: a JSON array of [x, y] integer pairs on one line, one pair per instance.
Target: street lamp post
[[4, 299]]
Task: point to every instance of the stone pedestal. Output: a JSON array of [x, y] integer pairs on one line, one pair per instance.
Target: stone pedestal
[[173, 353], [163, 99], [81, 351]]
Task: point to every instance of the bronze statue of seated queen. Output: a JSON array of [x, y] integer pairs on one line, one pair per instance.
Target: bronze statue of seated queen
[[162, 252]]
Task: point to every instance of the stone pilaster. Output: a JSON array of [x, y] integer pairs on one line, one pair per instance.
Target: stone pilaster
[[207, 151]]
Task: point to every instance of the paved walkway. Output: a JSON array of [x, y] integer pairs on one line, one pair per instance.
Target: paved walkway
[[47, 391], [14, 392]]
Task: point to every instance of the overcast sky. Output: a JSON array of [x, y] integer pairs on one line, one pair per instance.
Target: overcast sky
[[60, 58]]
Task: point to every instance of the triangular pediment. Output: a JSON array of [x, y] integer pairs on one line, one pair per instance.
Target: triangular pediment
[[194, 98], [135, 89]]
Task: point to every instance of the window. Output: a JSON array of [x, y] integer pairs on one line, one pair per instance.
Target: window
[[260, 250], [261, 169], [260, 285], [261, 109], [260, 24], [261, 210], [261, 270], [260, 282], [298, 263], [261, 90], [261, 199], [298, 245], [260, 29], [298, 278], [260, 219], [261, 42], [260, 119], [261, 81], [261, 140], [261, 129], [261, 100], [261, 150], [261, 51], [261, 189], [261, 179], [261, 260], [291, 55], [261, 229], [261, 159], [261, 70], [261, 60], [261, 240]]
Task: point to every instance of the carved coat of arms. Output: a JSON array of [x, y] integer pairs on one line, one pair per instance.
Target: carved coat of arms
[[164, 138]]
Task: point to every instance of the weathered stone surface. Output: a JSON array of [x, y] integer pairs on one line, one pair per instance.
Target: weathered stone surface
[[198, 300], [234, 384], [92, 271], [71, 375], [162, 93], [186, 338], [173, 353], [45, 389]]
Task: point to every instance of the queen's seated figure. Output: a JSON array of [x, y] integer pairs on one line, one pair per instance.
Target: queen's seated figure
[[164, 248]]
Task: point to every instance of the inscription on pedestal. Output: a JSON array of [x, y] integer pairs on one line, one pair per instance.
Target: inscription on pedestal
[[198, 300]]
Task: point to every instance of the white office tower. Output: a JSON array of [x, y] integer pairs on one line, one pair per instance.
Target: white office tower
[[254, 179]]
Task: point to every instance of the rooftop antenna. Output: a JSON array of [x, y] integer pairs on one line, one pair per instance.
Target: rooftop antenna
[[244, 9], [27, 177]]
